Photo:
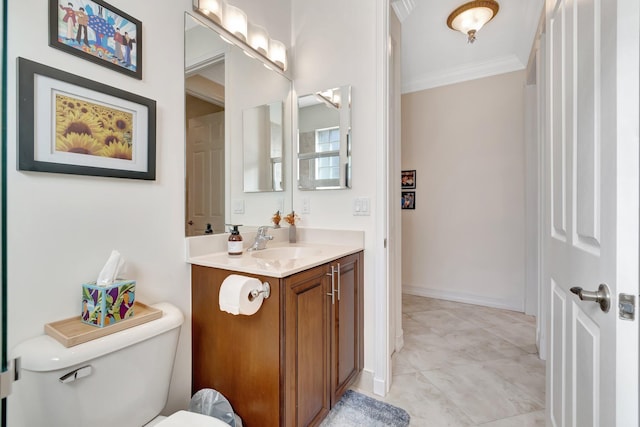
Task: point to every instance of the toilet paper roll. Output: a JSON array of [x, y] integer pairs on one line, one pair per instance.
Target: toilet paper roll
[[235, 295]]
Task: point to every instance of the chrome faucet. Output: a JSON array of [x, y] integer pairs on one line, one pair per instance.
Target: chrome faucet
[[261, 239]]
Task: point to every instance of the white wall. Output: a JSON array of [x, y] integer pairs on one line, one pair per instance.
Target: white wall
[[317, 116], [61, 228], [335, 45], [465, 239], [395, 162]]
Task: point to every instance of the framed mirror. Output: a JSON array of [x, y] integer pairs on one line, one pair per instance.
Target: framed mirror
[[226, 91], [324, 139]]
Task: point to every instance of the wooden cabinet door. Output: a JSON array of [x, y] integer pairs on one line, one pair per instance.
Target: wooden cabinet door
[[307, 345], [346, 324], [238, 356]]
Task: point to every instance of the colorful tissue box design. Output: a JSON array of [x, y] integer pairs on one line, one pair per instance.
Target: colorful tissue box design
[[106, 305]]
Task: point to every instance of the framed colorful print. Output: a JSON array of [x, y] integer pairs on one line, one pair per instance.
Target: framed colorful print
[[408, 200], [69, 124], [98, 32], [409, 179]]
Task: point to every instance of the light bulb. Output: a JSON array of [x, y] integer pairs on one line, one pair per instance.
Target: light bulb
[[259, 39], [213, 9], [278, 53], [235, 21]]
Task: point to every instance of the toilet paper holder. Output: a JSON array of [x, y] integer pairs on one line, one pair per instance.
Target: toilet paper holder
[[264, 289]]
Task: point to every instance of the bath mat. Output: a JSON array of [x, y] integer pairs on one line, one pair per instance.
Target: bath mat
[[357, 410]]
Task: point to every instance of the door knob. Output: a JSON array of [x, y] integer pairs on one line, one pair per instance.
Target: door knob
[[602, 296], [190, 222]]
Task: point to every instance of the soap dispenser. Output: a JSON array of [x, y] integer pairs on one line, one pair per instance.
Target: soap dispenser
[[234, 246]]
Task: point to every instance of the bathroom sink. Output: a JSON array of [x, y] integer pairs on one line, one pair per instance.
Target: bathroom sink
[[286, 253]]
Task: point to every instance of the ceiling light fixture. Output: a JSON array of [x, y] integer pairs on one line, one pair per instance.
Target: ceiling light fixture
[[470, 17]]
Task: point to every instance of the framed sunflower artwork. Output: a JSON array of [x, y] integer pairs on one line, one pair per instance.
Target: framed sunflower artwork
[[96, 31], [70, 124]]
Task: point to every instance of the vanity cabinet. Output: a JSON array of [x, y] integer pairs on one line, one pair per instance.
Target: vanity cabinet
[[290, 362]]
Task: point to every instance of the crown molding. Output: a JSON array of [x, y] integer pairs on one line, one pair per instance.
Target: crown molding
[[403, 8], [460, 74]]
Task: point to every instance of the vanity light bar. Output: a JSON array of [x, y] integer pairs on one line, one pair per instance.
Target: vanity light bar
[[331, 97], [232, 22]]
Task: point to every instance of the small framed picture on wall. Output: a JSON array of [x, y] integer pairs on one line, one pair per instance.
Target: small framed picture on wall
[[408, 179], [408, 200], [98, 32]]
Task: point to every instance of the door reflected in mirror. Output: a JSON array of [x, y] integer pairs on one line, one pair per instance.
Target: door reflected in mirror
[[324, 139], [205, 134]]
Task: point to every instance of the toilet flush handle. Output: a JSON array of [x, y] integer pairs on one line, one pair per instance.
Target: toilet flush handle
[[76, 374]]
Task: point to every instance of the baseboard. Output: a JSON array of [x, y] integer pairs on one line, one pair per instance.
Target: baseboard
[[379, 387], [399, 341], [366, 380], [464, 298]]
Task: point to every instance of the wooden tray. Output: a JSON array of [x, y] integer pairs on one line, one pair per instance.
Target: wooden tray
[[72, 331]]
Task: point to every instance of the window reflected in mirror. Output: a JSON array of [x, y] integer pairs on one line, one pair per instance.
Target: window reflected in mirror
[[324, 139]]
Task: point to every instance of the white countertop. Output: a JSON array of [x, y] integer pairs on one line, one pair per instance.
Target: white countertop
[[254, 263], [314, 247]]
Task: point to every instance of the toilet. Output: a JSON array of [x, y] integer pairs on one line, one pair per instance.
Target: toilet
[[121, 379]]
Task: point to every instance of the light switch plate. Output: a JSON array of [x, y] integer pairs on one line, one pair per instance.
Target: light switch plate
[[238, 206], [362, 206], [306, 205]]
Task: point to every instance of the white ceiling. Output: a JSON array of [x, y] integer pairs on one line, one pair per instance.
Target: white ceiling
[[434, 55]]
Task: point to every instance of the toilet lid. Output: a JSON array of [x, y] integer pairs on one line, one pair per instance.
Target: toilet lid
[[191, 419]]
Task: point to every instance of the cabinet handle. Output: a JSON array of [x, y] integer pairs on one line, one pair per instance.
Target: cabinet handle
[[338, 271], [333, 288]]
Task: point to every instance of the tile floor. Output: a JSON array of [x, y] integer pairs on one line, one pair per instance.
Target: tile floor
[[466, 365]]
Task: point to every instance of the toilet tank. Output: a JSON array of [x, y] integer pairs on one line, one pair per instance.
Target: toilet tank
[[126, 382]]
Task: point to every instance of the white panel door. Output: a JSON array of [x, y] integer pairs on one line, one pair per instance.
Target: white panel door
[[591, 203], [205, 174]]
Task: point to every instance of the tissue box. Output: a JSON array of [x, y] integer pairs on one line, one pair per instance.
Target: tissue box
[[105, 305]]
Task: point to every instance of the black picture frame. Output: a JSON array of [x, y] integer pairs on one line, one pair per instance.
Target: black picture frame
[[408, 179], [96, 41], [408, 200], [53, 139]]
